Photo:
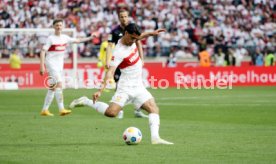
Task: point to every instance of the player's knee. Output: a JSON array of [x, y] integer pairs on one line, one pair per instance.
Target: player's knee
[[59, 85], [154, 109], [52, 87], [151, 107], [110, 113]]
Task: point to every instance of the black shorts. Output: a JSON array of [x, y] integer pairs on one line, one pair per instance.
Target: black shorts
[[117, 75]]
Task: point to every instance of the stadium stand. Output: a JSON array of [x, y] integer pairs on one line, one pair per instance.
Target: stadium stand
[[241, 28]]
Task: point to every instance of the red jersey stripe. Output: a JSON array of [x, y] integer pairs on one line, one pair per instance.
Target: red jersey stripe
[[132, 59], [57, 47]]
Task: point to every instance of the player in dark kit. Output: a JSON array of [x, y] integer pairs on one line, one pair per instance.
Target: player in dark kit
[[113, 38]]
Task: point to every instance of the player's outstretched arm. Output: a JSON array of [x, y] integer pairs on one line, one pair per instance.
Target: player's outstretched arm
[[153, 33], [80, 40], [109, 75]]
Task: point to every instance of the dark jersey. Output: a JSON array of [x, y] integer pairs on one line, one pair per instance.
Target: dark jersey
[[116, 34], [113, 37]]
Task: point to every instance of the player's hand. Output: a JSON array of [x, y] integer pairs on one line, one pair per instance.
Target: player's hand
[[143, 63], [96, 96], [42, 70], [94, 35], [156, 32], [107, 65]]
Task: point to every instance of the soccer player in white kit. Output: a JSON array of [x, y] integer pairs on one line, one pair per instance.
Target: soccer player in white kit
[[130, 88], [55, 47]]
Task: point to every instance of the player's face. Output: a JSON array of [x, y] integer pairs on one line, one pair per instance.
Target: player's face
[[131, 38], [123, 17], [58, 26]]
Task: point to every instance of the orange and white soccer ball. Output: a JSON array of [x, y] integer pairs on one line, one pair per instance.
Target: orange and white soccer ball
[[132, 136]]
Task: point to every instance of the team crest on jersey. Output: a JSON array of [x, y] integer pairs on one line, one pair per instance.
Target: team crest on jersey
[[118, 98]]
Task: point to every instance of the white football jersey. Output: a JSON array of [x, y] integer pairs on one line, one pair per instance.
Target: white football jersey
[[55, 47], [127, 59]]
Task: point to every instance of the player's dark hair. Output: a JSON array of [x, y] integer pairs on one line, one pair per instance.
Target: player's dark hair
[[122, 9], [133, 28], [57, 21]]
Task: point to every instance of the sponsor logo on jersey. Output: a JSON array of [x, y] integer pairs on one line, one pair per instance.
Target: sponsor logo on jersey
[[130, 60], [57, 47]]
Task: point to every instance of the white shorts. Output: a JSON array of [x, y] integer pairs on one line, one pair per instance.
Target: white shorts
[[55, 76], [135, 95]]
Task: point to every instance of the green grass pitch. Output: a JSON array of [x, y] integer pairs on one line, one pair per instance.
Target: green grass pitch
[[207, 126]]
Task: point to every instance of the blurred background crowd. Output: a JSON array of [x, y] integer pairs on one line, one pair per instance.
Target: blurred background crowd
[[226, 31]]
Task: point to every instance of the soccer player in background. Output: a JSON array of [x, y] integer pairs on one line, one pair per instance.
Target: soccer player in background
[[54, 59], [130, 88]]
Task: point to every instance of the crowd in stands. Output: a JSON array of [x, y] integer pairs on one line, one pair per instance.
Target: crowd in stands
[[228, 30]]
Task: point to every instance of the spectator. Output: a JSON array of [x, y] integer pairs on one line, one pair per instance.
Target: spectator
[[269, 59], [171, 61], [204, 58], [223, 24], [239, 54], [15, 61], [259, 59], [219, 58]]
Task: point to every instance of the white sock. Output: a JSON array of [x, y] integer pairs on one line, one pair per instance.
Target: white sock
[[154, 123], [48, 99], [120, 114], [98, 106], [59, 98]]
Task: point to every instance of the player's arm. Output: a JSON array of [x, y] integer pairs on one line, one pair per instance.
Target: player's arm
[[152, 33], [140, 50], [81, 40], [108, 54], [109, 75], [42, 61]]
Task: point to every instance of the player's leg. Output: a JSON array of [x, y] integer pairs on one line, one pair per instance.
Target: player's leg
[[48, 101], [139, 114], [59, 99], [111, 110], [154, 122], [84, 101], [57, 78], [145, 100]]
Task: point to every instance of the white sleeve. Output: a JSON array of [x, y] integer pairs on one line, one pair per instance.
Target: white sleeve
[[70, 40], [48, 44], [116, 59]]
